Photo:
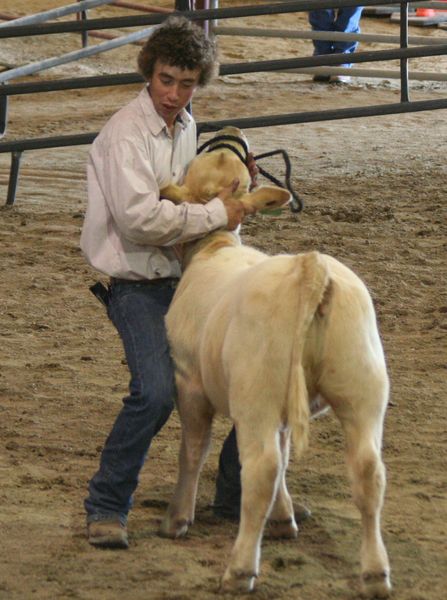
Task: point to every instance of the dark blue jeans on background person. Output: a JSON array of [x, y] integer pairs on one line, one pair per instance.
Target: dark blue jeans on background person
[[137, 310], [346, 20]]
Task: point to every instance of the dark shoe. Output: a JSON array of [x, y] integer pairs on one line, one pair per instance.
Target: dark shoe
[[321, 78], [107, 534], [301, 512]]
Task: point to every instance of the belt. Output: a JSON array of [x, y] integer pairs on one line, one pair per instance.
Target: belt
[[159, 281]]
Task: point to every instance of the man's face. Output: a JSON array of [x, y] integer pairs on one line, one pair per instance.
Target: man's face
[[171, 89]]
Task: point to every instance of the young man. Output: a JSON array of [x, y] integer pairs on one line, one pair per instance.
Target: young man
[[131, 235]]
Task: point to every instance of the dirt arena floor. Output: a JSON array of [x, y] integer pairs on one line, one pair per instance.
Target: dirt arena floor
[[375, 198]]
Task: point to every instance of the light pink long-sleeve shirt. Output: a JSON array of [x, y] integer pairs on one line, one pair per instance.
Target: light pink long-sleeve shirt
[[128, 231]]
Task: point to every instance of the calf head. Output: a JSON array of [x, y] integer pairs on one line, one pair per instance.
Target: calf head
[[211, 171]]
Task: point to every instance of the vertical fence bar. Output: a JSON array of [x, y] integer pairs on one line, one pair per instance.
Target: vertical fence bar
[[404, 87], [82, 16], [203, 5], [185, 5], [214, 22], [16, 155], [3, 114]]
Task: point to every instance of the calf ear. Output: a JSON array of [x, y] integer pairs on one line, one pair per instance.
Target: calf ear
[[266, 198]]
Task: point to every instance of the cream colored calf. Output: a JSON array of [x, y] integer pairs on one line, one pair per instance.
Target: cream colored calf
[[264, 340]]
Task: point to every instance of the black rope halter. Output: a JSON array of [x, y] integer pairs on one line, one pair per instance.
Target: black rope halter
[[296, 204], [230, 138]]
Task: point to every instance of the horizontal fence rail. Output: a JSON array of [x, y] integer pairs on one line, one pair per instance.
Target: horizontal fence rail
[[55, 13], [7, 30], [63, 59], [243, 123], [259, 66], [74, 83], [16, 89], [368, 73], [239, 68], [325, 35], [198, 15]]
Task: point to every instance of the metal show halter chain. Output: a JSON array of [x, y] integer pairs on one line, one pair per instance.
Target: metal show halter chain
[[296, 204]]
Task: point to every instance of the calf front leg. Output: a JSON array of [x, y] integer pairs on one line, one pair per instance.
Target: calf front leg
[[196, 418]]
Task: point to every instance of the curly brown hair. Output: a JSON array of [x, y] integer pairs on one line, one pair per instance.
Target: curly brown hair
[[180, 43]]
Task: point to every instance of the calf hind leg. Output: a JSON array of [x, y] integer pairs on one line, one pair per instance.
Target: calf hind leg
[[260, 458], [281, 523], [367, 475]]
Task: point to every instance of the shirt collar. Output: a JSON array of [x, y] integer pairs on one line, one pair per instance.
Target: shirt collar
[[155, 122]]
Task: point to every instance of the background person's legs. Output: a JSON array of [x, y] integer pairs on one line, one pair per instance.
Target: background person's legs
[[345, 20], [322, 20], [348, 21]]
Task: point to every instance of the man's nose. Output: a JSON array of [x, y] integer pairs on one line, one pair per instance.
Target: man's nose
[[173, 92]]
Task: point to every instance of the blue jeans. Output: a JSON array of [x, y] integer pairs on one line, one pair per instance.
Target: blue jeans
[[346, 20], [137, 310]]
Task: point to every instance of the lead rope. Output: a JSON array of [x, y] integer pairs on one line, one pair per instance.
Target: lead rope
[[296, 204]]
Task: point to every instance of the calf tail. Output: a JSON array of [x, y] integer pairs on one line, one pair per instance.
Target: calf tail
[[312, 281]]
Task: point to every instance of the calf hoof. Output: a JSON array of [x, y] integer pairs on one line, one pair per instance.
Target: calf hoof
[[286, 529], [237, 582], [376, 585], [173, 529]]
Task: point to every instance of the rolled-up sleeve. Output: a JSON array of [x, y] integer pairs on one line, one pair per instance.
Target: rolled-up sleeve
[[132, 193]]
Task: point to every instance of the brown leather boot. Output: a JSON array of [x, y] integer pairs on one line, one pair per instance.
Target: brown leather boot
[[107, 534]]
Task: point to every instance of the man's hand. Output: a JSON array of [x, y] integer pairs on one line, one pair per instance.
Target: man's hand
[[227, 192], [252, 169], [235, 209]]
